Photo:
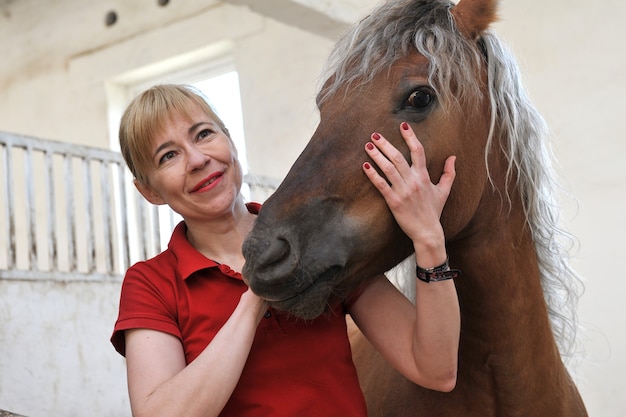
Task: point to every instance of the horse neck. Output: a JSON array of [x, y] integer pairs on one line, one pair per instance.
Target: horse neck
[[501, 283], [505, 322]]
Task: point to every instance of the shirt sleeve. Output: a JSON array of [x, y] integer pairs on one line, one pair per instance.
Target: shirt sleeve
[[147, 301]]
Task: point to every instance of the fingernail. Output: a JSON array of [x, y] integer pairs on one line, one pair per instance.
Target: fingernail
[[370, 146], [405, 126], [375, 136], [367, 165]]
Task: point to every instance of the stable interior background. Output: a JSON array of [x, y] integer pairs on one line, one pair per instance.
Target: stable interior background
[[66, 72]]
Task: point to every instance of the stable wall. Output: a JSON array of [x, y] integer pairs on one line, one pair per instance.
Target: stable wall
[[54, 353]]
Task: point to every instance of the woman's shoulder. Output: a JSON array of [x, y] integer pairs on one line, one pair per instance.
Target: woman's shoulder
[[164, 261], [159, 272]]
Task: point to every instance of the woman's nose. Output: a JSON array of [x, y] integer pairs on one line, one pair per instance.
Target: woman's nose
[[197, 159]]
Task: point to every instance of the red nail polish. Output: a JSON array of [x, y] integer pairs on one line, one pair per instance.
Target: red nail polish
[[375, 136], [370, 146], [405, 126], [367, 165]]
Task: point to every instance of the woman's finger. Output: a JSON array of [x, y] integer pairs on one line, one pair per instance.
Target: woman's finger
[[389, 160]]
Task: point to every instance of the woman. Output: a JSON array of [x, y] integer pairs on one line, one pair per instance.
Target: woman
[[197, 342]]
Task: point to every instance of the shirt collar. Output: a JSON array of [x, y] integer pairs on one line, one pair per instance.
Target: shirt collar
[[189, 259]]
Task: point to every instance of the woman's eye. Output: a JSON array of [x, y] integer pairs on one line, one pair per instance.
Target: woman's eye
[[420, 99], [204, 133], [166, 157]]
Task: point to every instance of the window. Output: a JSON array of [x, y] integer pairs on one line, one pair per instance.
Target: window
[[223, 92]]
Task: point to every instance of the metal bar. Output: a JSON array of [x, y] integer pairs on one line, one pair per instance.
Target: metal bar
[[23, 275], [31, 222], [140, 203], [10, 205], [156, 231], [61, 148], [69, 209], [123, 210], [53, 263], [107, 217], [89, 230]]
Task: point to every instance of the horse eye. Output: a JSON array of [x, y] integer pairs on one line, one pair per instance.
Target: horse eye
[[420, 99]]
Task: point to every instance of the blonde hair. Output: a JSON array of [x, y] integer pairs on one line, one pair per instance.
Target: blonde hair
[[147, 115]]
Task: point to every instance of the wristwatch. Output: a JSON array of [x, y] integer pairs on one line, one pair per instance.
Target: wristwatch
[[442, 272]]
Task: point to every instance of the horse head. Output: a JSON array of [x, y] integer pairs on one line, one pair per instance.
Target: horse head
[[326, 228]]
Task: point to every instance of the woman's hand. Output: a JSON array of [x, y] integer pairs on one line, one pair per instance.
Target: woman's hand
[[257, 304], [414, 200], [416, 203]]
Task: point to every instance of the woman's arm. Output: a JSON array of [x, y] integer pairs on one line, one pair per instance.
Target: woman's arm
[[160, 384], [421, 341]]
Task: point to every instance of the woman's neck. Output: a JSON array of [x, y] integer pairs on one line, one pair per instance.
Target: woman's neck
[[220, 239]]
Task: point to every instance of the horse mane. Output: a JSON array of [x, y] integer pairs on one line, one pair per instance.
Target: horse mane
[[387, 35]]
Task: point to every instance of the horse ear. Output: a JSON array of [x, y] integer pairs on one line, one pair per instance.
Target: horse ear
[[473, 17]]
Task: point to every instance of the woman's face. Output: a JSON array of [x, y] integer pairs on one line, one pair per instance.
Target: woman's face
[[194, 167]]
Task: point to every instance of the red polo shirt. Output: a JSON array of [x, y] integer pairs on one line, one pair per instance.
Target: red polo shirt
[[295, 367]]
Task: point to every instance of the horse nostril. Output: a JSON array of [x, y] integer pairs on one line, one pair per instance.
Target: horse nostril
[[275, 254], [269, 261]]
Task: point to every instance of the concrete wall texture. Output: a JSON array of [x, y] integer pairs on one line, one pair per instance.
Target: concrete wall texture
[[61, 68]]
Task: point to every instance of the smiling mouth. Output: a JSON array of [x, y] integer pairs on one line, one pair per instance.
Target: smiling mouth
[[208, 182]]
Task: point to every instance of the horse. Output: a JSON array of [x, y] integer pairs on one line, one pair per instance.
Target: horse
[[440, 67]]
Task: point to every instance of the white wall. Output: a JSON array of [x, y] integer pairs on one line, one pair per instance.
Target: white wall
[[55, 358], [54, 353], [573, 57]]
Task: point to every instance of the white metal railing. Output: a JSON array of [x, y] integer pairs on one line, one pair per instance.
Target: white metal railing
[[71, 212]]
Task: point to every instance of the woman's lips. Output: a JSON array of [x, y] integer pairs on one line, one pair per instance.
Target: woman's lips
[[208, 183]]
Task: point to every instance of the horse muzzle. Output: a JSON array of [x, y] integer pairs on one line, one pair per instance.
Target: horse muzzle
[[299, 264], [278, 271]]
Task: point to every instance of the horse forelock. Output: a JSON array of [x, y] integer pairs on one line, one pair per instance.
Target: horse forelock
[[396, 28], [391, 32]]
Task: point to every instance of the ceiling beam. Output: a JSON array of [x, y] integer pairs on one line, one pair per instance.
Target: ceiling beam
[[294, 13]]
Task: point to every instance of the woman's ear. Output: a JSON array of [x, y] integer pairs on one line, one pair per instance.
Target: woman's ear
[[148, 193]]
